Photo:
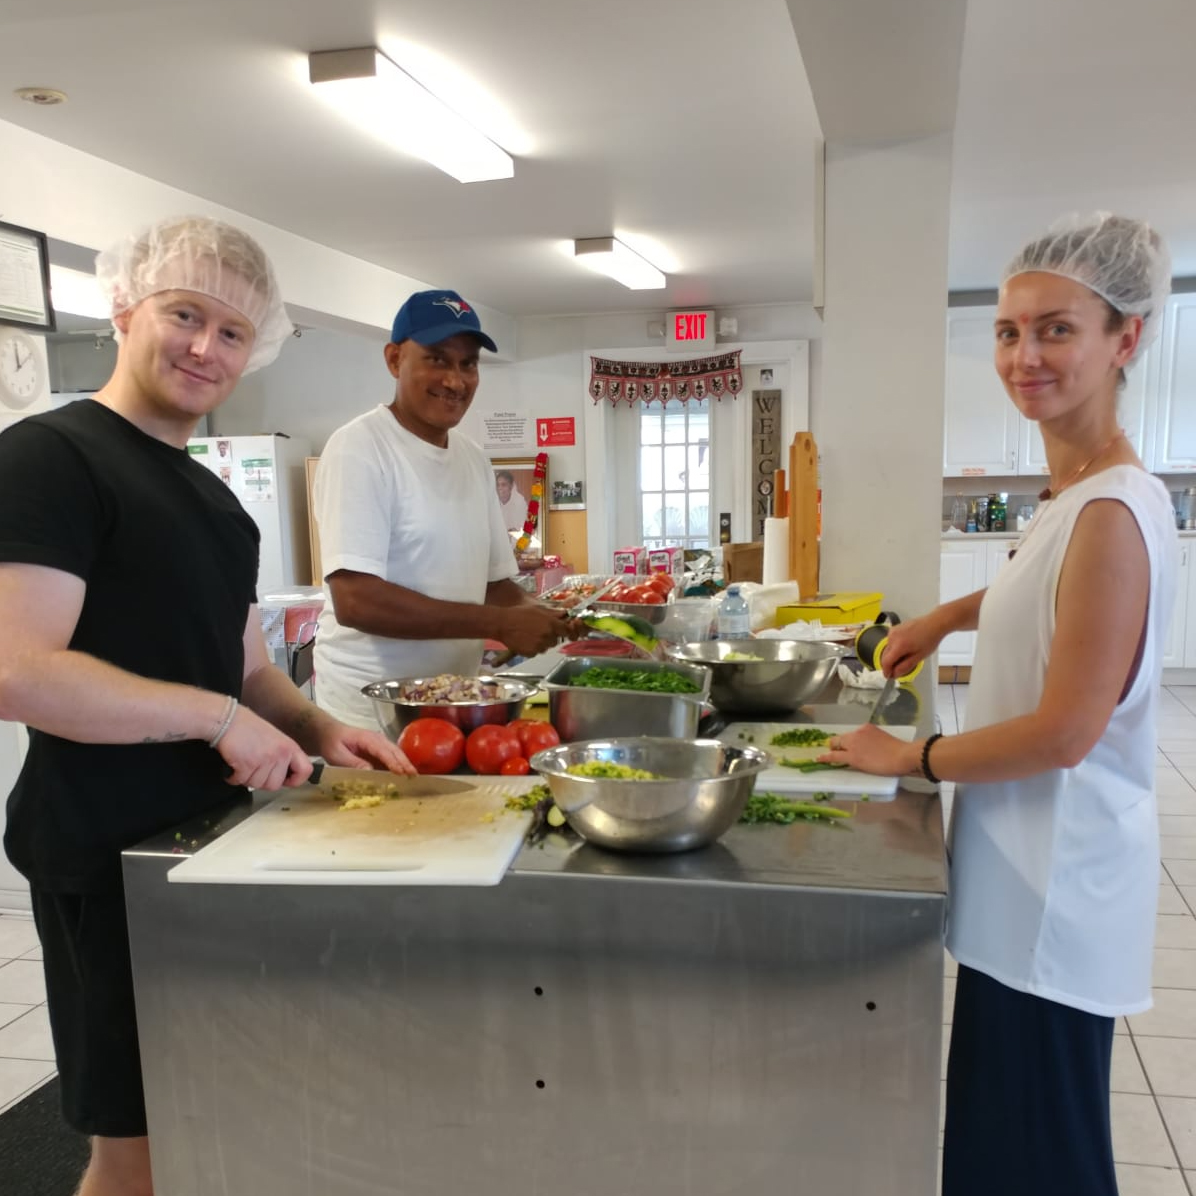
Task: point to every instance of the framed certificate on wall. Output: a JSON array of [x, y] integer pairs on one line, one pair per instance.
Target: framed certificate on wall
[[25, 279]]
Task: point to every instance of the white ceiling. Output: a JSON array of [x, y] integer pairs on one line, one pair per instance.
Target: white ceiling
[[686, 126]]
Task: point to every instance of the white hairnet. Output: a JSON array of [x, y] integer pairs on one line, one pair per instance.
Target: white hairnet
[[1123, 260], [195, 253]]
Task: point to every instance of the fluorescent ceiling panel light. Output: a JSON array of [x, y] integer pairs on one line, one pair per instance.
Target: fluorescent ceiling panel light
[[609, 256], [367, 88], [75, 293]]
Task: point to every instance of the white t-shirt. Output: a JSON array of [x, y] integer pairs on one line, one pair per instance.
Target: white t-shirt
[[514, 511], [392, 505], [1054, 878]]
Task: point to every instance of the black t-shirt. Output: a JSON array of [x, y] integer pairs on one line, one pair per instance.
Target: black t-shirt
[[170, 561]]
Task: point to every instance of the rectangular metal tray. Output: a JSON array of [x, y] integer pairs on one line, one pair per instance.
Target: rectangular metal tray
[[568, 588], [580, 713]]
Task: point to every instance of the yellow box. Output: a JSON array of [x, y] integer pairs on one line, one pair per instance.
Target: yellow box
[[846, 607]]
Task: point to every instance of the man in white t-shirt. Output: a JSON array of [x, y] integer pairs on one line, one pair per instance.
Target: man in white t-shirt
[[512, 504], [418, 566]]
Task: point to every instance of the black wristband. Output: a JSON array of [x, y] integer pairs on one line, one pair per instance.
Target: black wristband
[[926, 758]]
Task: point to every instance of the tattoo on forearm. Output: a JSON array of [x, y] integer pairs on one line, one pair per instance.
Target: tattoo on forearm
[[169, 737]]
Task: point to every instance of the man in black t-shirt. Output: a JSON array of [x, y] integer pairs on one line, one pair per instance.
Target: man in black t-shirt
[[132, 645]]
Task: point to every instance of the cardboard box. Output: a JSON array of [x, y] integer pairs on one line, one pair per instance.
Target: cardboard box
[[631, 560], [833, 609], [743, 562], [670, 559]]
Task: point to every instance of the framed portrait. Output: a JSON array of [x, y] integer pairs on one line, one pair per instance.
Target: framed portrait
[[567, 496], [513, 480], [25, 279]]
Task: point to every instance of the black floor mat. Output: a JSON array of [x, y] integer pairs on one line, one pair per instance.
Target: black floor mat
[[40, 1155]]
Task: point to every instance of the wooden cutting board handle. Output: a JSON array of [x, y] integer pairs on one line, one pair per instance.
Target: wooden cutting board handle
[[803, 513]]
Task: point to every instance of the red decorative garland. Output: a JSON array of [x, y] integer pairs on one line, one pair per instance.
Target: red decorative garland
[[533, 506]]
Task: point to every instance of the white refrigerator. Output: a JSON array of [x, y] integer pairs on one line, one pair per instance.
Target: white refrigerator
[[268, 474]]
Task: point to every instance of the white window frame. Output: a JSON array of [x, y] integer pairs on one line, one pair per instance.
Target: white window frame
[[601, 494]]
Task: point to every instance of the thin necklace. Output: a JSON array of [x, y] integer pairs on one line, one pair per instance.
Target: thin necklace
[[1104, 448]]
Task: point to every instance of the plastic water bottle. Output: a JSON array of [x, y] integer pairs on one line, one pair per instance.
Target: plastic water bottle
[[734, 616]]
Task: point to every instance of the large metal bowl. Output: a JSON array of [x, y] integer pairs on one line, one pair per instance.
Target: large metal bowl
[[581, 713], [787, 674], [394, 713], [706, 788]]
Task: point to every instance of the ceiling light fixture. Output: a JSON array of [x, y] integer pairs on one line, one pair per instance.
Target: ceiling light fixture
[[609, 256], [77, 294], [367, 88]]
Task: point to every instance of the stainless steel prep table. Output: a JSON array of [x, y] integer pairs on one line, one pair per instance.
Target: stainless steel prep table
[[763, 1016]]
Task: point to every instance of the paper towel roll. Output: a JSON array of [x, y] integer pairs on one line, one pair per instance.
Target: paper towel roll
[[776, 551]]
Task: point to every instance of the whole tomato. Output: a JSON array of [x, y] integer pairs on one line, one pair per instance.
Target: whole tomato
[[662, 583], [534, 735], [488, 747], [516, 766], [433, 745]]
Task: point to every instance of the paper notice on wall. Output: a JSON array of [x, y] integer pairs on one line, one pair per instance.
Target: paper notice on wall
[[256, 483], [506, 427]]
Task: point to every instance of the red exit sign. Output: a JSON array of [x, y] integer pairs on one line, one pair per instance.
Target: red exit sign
[[689, 330]]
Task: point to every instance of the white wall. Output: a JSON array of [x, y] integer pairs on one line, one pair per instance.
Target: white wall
[[79, 198], [325, 378]]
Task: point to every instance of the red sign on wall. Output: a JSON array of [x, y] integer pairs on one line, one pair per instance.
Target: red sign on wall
[[559, 431]]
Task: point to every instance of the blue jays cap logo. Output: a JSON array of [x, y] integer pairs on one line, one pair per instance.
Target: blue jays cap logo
[[457, 306]]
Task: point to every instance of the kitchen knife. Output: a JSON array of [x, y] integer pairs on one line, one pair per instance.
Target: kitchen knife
[[877, 715]]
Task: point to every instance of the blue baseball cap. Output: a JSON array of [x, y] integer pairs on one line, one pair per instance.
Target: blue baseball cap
[[430, 317]]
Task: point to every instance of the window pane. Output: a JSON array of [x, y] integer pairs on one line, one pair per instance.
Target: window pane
[[674, 422], [699, 513], [674, 466], [674, 514], [698, 477], [649, 426], [651, 477], [652, 515]]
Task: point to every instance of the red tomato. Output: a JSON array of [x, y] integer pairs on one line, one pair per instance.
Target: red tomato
[[433, 745], [516, 766], [615, 595], [538, 738], [652, 597], [643, 594], [488, 747], [662, 582], [534, 735]]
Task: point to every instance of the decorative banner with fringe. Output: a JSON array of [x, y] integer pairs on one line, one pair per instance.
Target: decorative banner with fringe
[[660, 381]]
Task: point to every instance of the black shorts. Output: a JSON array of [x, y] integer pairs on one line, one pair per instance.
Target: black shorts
[[89, 991]]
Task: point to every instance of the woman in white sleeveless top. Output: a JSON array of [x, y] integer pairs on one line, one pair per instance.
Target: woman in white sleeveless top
[[1054, 838]]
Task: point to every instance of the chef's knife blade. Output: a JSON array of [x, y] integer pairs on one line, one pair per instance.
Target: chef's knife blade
[[877, 715]]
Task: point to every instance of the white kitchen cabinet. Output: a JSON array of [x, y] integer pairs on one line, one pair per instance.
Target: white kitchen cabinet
[[961, 572], [1179, 649], [980, 429], [996, 557], [1175, 423], [965, 566]]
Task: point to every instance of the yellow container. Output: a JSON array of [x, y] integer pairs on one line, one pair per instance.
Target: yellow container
[[833, 609]]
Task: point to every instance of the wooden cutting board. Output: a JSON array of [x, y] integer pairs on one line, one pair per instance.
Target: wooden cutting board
[[843, 782], [439, 831]]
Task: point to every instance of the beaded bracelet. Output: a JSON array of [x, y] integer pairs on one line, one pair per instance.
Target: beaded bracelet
[[230, 709], [926, 772]]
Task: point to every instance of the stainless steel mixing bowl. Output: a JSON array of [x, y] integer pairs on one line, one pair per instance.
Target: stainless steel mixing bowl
[[786, 673], [394, 713], [705, 788]]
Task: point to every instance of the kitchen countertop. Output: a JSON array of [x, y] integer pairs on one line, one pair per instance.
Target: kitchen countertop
[[894, 846]]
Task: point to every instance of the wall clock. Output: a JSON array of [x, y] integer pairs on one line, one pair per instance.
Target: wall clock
[[24, 374]]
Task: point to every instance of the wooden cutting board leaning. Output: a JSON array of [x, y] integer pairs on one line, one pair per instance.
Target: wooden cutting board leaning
[[842, 782], [452, 830]]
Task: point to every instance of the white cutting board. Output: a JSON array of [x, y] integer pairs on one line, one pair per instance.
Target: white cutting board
[[442, 831], [844, 782]]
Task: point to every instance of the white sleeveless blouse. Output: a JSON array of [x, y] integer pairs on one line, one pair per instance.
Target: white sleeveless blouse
[[1054, 878]]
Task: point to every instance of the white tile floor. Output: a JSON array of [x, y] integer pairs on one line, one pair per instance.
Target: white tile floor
[[1154, 1055]]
